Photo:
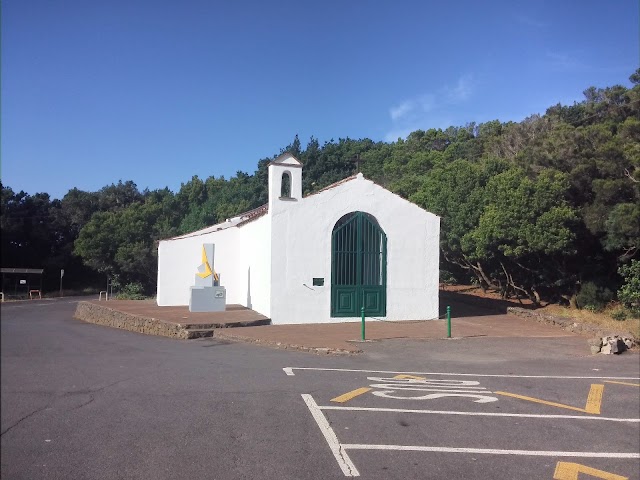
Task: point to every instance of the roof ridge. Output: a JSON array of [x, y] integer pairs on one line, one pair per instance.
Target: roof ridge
[[255, 213], [335, 184]]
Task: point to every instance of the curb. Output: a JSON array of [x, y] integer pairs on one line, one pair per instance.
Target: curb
[[226, 335]]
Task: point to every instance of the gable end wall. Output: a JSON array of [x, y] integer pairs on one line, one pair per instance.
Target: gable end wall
[[301, 250]]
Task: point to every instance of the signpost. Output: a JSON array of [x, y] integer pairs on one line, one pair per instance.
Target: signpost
[[61, 275]]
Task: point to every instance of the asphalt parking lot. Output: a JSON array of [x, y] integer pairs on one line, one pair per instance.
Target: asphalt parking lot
[[85, 401], [500, 426]]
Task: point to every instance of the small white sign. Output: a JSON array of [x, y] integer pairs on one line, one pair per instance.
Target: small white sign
[[61, 272], [23, 282]]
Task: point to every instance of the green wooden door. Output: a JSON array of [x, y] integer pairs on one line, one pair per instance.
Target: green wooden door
[[358, 267]]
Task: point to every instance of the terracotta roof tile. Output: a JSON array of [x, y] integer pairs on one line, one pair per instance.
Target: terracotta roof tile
[[252, 215]]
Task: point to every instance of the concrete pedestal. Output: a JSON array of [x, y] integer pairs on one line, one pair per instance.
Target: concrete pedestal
[[207, 299]]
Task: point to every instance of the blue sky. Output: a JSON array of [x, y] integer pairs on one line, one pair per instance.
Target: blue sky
[[156, 91]]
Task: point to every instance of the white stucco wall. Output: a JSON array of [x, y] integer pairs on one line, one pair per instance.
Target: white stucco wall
[[255, 258], [301, 250], [269, 263], [242, 258]]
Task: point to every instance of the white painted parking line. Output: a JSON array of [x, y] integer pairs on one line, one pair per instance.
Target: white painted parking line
[[289, 371], [477, 414], [490, 451], [345, 463]]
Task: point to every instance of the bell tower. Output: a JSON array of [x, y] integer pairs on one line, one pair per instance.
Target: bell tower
[[285, 181]]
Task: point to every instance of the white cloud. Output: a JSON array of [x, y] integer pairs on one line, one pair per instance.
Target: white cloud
[[428, 110], [461, 91], [401, 110], [413, 107]]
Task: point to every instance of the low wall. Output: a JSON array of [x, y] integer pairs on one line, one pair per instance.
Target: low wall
[[103, 315]]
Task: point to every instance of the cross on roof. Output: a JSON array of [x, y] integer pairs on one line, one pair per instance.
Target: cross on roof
[[357, 160]]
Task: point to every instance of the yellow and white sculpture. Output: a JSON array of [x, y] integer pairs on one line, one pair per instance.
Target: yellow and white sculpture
[[207, 295]]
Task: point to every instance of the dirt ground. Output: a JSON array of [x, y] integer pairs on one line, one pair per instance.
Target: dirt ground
[[601, 319]]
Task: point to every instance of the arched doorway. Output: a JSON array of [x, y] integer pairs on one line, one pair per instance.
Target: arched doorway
[[358, 266]]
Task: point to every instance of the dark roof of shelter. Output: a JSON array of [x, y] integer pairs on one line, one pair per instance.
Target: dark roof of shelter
[[37, 271]]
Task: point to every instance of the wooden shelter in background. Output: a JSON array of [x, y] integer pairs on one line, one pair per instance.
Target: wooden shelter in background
[[18, 282]]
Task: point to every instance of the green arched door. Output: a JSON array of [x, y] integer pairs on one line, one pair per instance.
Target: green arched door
[[358, 267]]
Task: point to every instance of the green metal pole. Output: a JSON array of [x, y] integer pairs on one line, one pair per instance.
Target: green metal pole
[[448, 321], [362, 313]]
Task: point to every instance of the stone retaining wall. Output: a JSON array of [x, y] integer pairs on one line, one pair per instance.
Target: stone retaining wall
[[570, 324], [103, 315]]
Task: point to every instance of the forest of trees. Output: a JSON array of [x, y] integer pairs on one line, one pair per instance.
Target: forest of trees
[[543, 208]]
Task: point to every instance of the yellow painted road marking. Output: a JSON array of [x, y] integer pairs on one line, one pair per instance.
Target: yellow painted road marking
[[410, 376], [623, 383], [594, 400], [349, 395], [570, 471]]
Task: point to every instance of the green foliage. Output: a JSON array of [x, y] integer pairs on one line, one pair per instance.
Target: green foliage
[[498, 223], [131, 291], [619, 315], [523, 217], [593, 297], [629, 293], [123, 242], [447, 278], [622, 228]]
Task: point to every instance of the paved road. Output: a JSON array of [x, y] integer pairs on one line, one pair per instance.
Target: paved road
[[81, 401]]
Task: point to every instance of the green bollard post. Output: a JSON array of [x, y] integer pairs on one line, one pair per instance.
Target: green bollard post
[[362, 313], [448, 321]]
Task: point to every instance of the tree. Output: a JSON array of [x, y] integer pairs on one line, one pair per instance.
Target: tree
[[525, 223], [123, 243], [117, 196], [629, 293], [501, 225]]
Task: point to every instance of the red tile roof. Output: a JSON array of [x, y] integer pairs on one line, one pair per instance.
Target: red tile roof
[[252, 215]]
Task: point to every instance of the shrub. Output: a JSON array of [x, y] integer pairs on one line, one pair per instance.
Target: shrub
[[592, 297], [447, 277], [629, 293], [131, 291], [619, 315]]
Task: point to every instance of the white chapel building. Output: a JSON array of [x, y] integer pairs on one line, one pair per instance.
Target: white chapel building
[[318, 258]]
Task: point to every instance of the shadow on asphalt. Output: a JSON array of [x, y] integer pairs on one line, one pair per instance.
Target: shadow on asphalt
[[469, 306]]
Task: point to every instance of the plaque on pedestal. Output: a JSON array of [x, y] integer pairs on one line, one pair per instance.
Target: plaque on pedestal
[[208, 299], [207, 295]]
